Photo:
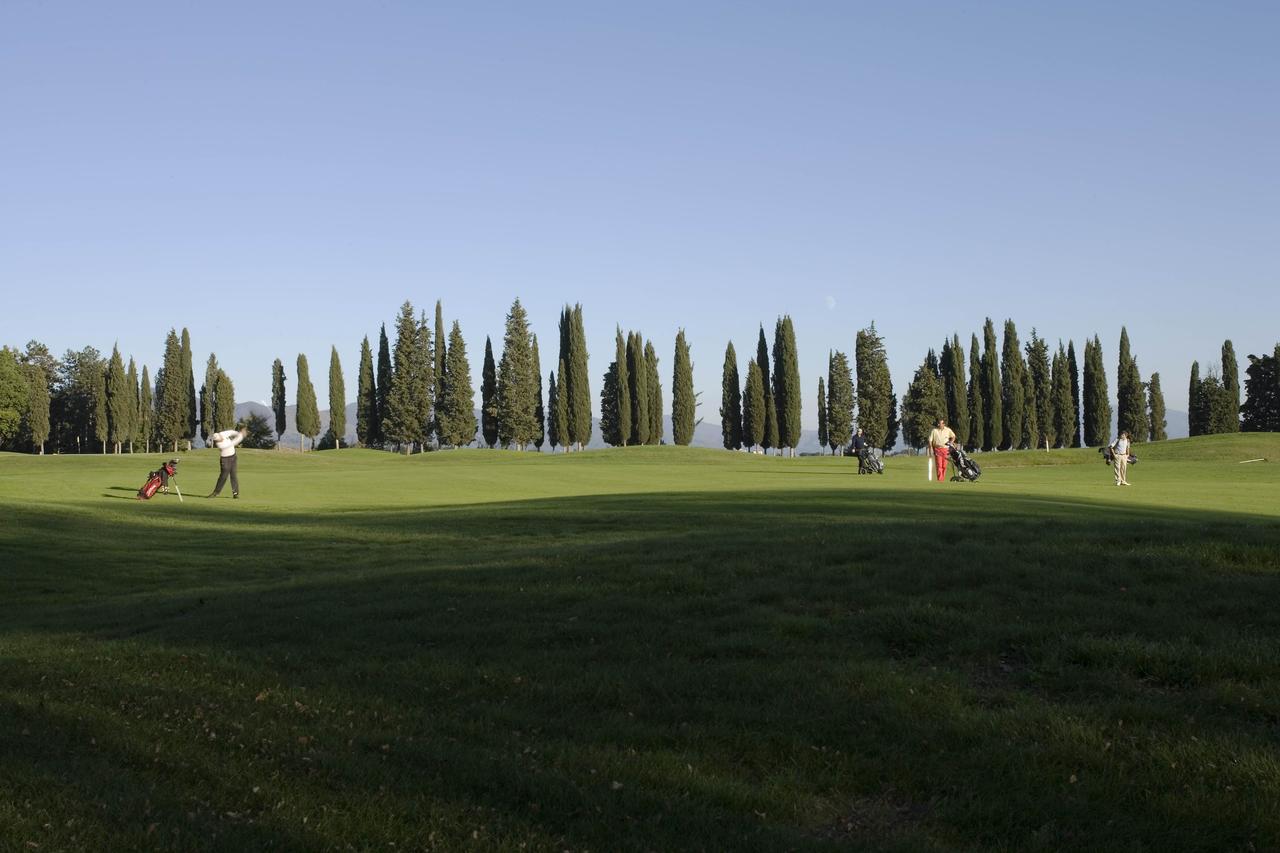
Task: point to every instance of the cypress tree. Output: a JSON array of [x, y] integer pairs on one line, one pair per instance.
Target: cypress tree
[[189, 393], [101, 418], [1073, 368], [441, 351], [119, 401], [225, 398], [891, 436], [131, 382], [146, 410], [278, 400], [1040, 372], [208, 404], [839, 402], [753, 407], [382, 389], [823, 436], [1012, 388], [730, 401], [877, 407], [992, 403], [539, 413], [1156, 414], [307, 412], [425, 395], [172, 415], [456, 415], [611, 408], [654, 384], [771, 439], [925, 402], [560, 409], [637, 372], [977, 414], [1030, 419], [337, 399], [366, 396], [621, 397], [565, 357], [553, 422], [762, 357], [1231, 386], [1097, 404], [954, 386], [489, 397], [1063, 407], [1130, 400], [1195, 406], [786, 383], [402, 418], [683, 402], [38, 407], [579, 383], [1141, 423]]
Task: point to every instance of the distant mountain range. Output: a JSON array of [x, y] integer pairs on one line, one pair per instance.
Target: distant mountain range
[[705, 434]]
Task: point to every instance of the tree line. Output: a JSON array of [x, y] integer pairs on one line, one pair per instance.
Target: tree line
[[418, 394], [1032, 397]]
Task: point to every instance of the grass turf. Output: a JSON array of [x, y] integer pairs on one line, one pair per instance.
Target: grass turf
[[644, 649]]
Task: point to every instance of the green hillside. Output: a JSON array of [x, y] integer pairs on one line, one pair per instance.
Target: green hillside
[[642, 649]]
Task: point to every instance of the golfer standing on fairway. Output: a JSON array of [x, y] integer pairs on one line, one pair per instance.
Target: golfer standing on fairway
[[226, 442], [939, 437], [1120, 459]]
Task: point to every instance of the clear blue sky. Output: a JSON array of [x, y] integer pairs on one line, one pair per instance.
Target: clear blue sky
[[280, 177]]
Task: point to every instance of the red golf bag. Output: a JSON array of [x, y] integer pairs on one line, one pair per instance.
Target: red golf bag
[[158, 479]]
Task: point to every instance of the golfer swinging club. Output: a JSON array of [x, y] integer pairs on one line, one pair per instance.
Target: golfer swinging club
[[226, 442]]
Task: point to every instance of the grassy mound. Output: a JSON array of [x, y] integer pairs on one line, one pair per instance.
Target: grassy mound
[[1206, 448], [649, 648]]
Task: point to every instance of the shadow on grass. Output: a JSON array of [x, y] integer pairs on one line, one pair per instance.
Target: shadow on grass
[[781, 670]]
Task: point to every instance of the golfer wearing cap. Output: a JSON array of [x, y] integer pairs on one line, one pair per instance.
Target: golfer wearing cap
[[226, 442]]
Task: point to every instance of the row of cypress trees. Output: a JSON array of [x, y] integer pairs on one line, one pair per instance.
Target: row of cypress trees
[[418, 393], [1030, 397], [765, 412], [869, 405], [631, 395], [631, 402], [1014, 396], [1213, 401], [86, 400]]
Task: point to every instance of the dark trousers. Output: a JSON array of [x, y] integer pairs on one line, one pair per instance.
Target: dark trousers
[[227, 466]]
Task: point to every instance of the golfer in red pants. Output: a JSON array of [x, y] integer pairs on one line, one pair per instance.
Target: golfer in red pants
[[939, 437]]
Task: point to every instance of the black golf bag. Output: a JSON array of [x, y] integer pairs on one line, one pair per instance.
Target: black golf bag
[[869, 461], [158, 480], [1109, 456], [962, 465]]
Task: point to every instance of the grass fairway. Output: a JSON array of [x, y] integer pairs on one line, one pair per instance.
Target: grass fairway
[[645, 649]]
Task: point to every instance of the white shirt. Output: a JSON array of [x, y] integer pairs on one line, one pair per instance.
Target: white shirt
[[1121, 446], [226, 441]]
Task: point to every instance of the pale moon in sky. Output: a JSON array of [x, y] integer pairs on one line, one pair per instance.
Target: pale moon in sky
[[831, 302]]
